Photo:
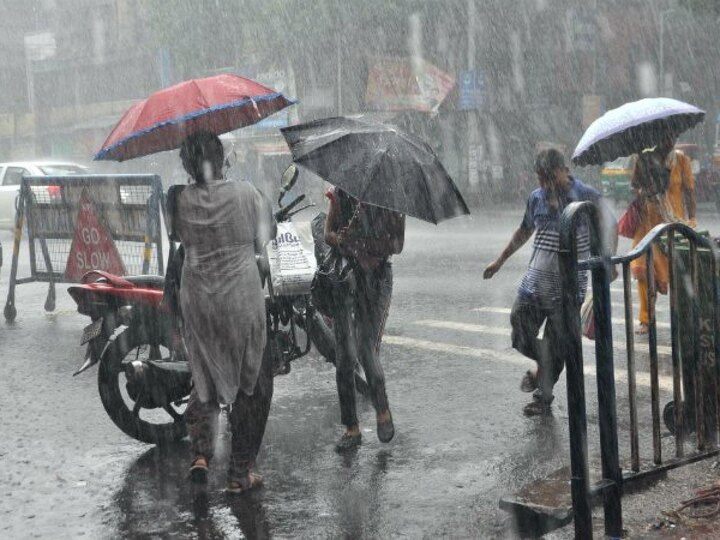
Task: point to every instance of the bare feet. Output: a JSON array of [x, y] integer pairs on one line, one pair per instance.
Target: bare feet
[[350, 439], [251, 480], [642, 329]]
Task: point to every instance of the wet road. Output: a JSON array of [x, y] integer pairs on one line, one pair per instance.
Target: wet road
[[461, 439]]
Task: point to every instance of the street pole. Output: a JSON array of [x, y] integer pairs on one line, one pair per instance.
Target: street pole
[[662, 49], [593, 90], [30, 79], [473, 177], [338, 49]]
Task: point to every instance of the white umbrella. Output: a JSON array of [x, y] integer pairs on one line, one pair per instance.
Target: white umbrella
[[633, 127]]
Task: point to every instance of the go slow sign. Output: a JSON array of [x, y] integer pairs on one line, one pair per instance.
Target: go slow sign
[[92, 246]]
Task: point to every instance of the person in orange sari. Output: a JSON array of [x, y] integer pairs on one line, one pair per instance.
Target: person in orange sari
[[676, 202]]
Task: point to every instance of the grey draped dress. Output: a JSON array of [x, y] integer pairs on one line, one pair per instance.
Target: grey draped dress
[[222, 225]]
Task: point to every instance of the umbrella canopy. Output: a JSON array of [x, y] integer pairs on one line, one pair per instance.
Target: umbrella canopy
[[216, 104], [377, 164], [633, 127]]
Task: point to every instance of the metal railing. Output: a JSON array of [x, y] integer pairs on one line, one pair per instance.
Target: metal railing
[[129, 207], [698, 375]]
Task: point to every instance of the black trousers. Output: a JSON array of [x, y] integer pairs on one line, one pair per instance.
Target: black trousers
[[526, 319], [248, 418], [359, 324]]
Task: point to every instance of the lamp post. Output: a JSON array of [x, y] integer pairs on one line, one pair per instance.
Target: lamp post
[[662, 48], [472, 121]]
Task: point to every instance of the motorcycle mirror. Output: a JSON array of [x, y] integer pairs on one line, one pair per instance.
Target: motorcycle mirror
[[231, 159], [289, 178]]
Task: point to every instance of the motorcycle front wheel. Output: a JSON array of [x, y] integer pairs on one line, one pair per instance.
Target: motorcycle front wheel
[[153, 426]]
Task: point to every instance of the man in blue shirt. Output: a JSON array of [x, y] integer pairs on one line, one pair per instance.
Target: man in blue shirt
[[539, 294]]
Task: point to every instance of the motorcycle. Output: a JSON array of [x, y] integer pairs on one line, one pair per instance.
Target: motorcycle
[[144, 380]]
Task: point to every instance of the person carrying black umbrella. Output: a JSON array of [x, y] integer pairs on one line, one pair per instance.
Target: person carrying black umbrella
[[368, 236], [381, 174]]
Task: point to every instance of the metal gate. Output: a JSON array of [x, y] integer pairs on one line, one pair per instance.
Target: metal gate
[[695, 376], [127, 206]]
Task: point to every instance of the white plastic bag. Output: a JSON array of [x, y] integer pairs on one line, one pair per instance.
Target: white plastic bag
[[292, 262], [587, 317]]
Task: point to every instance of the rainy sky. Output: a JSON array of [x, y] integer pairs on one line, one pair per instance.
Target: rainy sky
[[485, 82]]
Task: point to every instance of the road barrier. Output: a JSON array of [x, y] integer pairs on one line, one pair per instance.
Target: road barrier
[[79, 223], [697, 368]]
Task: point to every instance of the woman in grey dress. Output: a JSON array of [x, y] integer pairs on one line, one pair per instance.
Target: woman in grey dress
[[222, 226]]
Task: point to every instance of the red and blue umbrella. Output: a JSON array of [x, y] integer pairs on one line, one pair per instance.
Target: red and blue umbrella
[[164, 120]]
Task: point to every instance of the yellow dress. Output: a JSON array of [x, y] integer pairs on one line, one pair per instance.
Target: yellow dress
[[681, 179]]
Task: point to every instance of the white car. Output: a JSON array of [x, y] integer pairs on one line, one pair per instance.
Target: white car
[[11, 175]]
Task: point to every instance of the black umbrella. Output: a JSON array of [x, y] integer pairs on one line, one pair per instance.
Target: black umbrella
[[377, 164]]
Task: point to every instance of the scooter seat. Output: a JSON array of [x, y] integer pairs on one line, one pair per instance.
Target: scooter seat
[[146, 282]]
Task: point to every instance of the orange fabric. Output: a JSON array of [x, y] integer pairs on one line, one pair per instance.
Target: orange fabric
[[661, 283], [681, 180]]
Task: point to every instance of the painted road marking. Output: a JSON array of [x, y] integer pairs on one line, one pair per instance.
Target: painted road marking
[[642, 378], [482, 329], [506, 311]]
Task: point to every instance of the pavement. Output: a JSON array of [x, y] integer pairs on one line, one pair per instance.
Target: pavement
[[461, 440]]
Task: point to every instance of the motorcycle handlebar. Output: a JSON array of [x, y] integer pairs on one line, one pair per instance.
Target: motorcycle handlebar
[[281, 215]]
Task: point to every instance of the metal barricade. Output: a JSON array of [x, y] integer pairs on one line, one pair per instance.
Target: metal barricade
[[126, 209], [704, 370]]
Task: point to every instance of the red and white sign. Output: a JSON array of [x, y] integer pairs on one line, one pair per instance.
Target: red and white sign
[[92, 246], [401, 84]]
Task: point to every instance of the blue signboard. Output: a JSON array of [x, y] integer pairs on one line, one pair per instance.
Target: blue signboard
[[472, 90], [281, 80]]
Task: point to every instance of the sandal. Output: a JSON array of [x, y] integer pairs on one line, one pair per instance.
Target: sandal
[[386, 429], [199, 470], [250, 481]]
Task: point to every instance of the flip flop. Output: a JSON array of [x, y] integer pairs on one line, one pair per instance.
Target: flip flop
[[250, 481]]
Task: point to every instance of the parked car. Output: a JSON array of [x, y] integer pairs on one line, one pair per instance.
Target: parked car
[[11, 174], [615, 178]]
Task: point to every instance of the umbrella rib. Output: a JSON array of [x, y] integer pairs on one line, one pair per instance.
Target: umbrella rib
[[379, 156]]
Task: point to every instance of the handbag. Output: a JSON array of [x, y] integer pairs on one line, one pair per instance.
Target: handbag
[[333, 281], [630, 220], [334, 278]]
